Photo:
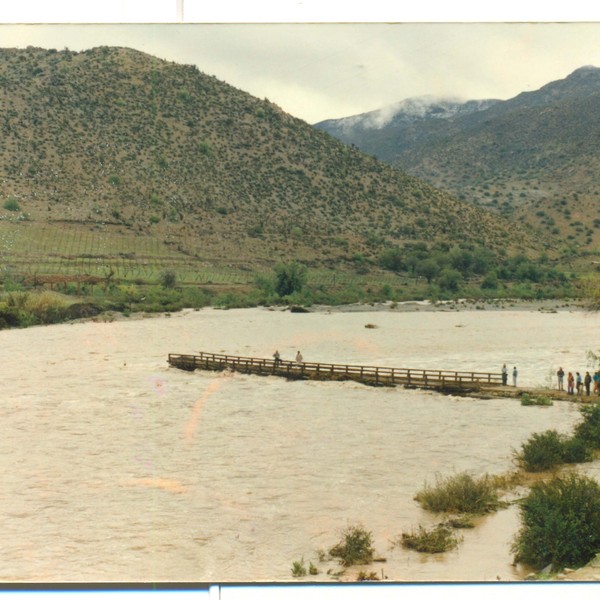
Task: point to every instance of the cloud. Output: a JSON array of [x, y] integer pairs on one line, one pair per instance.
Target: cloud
[[322, 71]]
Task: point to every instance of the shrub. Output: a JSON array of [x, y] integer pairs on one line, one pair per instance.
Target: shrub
[[168, 279], [355, 548], [435, 540], [560, 523], [289, 278], [460, 493], [589, 429], [576, 450], [527, 400], [298, 568], [543, 451], [364, 576], [12, 205]]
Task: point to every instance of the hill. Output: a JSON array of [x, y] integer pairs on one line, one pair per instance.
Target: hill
[[111, 158], [534, 157]]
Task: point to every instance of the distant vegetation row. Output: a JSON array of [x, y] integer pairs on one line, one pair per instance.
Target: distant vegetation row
[[416, 272]]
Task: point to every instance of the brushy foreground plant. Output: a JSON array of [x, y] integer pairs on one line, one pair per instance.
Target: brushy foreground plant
[[460, 493], [355, 547], [560, 523], [438, 539]]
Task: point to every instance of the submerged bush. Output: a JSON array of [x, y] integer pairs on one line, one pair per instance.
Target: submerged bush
[[355, 548], [460, 493], [560, 523], [435, 540]]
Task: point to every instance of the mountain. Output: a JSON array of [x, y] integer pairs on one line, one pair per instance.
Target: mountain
[[121, 144], [534, 157], [391, 130]]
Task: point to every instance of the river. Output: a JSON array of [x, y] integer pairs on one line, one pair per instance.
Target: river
[[116, 467]]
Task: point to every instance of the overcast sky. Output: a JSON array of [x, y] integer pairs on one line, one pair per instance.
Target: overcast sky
[[324, 71]]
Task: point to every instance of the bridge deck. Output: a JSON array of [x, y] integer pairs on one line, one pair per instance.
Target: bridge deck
[[370, 375]]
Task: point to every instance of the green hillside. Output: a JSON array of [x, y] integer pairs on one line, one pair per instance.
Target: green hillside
[[112, 144]]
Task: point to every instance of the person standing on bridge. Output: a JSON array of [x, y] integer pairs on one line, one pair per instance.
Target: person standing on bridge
[[277, 358], [561, 376], [504, 374], [515, 373], [299, 358]]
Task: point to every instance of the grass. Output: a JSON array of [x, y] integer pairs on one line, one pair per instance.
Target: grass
[[460, 493], [436, 540], [355, 547], [298, 568]]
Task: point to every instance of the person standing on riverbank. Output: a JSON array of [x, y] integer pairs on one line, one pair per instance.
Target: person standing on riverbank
[[587, 381], [504, 374], [561, 376], [578, 383], [515, 373], [570, 383]]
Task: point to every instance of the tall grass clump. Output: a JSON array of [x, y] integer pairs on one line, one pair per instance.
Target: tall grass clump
[[355, 547], [460, 493], [433, 541], [560, 523]]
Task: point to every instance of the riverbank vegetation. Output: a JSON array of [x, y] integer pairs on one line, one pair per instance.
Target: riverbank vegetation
[[434, 540], [460, 493], [287, 284], [548, 450], [560, 523]]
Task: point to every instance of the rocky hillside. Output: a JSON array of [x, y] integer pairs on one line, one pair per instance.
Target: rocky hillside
[[114, 140], [534, 157]]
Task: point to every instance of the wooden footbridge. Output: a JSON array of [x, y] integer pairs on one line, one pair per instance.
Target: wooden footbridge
[[447, 381]]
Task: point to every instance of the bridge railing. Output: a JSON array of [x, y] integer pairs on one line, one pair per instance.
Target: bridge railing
[[365, 372]]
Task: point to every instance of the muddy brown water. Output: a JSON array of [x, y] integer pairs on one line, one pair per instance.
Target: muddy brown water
[[116, 467]]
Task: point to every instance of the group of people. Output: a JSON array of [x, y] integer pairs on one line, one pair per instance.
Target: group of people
[[277, 357], [515, 373], [577, 383]]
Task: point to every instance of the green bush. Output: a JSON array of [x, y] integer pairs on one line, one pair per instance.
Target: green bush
[[547, 450], [589, 429], [298, 568], [435, 540], [542, 451], [576, 450], [289, 278], [355, 548], [460, 493], [560, 523], [12, 205]]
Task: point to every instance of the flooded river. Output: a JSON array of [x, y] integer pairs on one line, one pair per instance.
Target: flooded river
[[116, 467]]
